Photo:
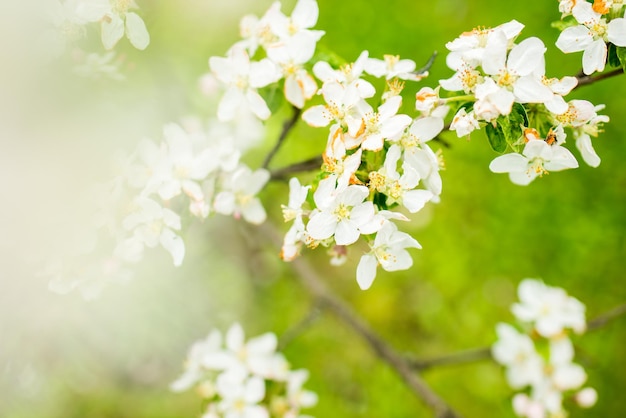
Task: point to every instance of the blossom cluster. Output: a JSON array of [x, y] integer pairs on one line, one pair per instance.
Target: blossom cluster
[[375, 158], [249, 379], [377, 165], [194, 172], [287, 42], [502, 86], [592, 28], [69, 20], [540, 357]]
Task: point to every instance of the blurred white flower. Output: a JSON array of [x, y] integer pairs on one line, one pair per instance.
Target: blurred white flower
[[389, 251], [238, 192], [550, 309]]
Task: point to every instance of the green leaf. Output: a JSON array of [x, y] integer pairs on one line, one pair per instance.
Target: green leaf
[[612, 57], [564, 23], [496, 137], [621, 54], [508, 129]]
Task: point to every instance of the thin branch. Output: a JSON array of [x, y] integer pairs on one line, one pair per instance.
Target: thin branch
[[312, 282], [465, 356], [307, 165], [484, 353], [442, 141], [426, 67], [297, 329], [602, 320], [584, 80], [287, 127]]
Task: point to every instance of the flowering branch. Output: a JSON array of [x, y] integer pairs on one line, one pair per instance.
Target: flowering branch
[[287, 127], [326, 299], [584, 80], [484, 353]]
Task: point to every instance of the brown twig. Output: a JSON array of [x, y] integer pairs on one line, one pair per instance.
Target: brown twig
[[585, 80], [283, 173], [484, 353], [287, 127], [328, 300], [461, 357], [602, 320]]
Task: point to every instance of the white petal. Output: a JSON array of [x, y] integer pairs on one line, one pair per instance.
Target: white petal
[[263, 344], [584, 145], [522, 178], [617, 31], [574, 39], [414, 200], [293, 92], [305, 13], [557, 105], [401, 260], [527, 56], [594, 57], [229, 104], [258, 105], [254, 212], [136, 31], [174, 245], [322, 225], [224, 203], [235, 337], [263, 73], [346, 232], [317, 116], [509, 163], [112, 30], [427, 128], [530, 89], [366, 271]]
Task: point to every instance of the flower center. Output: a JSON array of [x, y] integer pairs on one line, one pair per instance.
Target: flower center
[[121, 6]]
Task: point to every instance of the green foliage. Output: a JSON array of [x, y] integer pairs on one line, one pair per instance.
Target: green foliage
[[507, 130]]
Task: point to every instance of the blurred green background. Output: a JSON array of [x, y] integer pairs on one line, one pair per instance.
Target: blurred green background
[[62, 357]]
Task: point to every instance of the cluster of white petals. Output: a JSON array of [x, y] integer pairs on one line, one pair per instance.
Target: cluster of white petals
[[598, 24], [70, 22], [287, 43], [233, 376], [493, 75], [377, 165], [541, 357], [192, 172], [115, 17]]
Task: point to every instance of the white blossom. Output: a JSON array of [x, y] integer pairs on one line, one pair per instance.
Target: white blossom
[[550, 309], [389, 251], [537, 159], [242, 78], [341, 212], [591, 36], [238, 194]]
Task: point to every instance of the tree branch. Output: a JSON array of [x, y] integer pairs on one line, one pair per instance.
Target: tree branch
[[484, 353], [602, 320], [461, 357], [311, 281], [283, 173], [287, 127], [585, 80]]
